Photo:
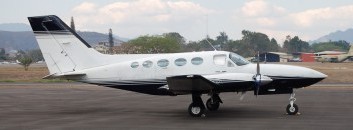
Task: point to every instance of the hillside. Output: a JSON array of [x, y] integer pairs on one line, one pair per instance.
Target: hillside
[[15, 27], [346, 35], [26, 41]]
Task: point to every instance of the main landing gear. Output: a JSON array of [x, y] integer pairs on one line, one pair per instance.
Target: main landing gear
[[292, 109], [197, 107]]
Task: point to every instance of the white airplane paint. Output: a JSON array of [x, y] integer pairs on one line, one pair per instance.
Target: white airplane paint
[[68, 56]]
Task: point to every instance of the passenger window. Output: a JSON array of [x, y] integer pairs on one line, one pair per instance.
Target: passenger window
[[163, 63], [197, 61], [134, 64], [219, 59], [147, 64], [180, 62]]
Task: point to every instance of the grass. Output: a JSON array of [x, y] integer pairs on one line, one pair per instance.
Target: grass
[[337, 72], [16, 73]]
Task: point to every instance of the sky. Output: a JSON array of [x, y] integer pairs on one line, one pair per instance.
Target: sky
[[193, 19]]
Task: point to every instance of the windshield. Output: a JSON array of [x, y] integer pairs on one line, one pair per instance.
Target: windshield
[[238, 60]]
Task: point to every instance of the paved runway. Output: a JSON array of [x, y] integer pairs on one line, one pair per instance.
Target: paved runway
[[77, 106]]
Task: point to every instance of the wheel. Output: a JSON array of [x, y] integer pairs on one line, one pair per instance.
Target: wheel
[[212, 106], [196, 110], [292, 110]]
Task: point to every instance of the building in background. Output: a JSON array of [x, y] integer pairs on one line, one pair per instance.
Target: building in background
[[274, 57], [102, 47], [303, 57]]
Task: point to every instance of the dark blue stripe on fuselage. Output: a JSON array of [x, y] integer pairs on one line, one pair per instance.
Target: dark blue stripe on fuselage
[[154, 88]]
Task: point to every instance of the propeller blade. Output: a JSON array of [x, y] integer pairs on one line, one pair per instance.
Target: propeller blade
[[257, 77], [258, 63]]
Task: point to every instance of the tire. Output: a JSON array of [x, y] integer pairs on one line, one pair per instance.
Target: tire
[[195, 110], [292, 110], [212, 106]]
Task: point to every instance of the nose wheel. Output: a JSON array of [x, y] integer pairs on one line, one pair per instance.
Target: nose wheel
[[292, 108], [213, 103]]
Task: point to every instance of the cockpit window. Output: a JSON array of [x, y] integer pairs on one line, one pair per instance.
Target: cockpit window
[[238, 60]]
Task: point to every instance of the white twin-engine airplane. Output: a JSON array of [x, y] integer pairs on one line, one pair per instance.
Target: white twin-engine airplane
[[68, 56]]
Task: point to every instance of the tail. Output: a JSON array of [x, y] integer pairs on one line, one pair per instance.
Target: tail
[[350, 52], [63, 49]]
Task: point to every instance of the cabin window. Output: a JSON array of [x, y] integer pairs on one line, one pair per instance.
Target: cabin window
[[197, 61], [134, 64], [163, 63], [238, 60], [219, 59], [147, 64], [180, 62]]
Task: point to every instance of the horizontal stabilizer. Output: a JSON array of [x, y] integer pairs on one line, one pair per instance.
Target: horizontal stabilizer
[[72, 75]]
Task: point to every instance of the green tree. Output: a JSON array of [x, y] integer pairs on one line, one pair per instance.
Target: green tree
[[2, 54], [252, 42], [25, 61], [295, 44], [274, 45], [206, 44], [331, 45], [35, 55], [155, 44], [111, 41], [176, 36], [222, 40], [193, 46]]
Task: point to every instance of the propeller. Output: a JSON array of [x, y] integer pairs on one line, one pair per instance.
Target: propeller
[[257, 76]]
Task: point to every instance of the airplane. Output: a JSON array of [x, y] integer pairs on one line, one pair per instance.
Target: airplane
[[334, 57], [68, 56]]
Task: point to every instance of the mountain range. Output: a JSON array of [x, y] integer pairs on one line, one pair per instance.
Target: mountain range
[[20, 37], [346, 35]]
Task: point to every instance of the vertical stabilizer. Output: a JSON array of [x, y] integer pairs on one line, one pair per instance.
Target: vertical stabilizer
[[350, 52], [62, 48]]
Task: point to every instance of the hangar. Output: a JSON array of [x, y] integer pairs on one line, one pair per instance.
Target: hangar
[[274, 57]]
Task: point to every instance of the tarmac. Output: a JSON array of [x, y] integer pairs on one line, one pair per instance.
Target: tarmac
[[77, 106]]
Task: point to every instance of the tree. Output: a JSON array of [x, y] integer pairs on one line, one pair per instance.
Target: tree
[[25, 61], [193, 46], [222, 40], [155, 44], [331, 45], [2, 54], [35, 55], [252, 42], [111, 41], [295, 44], [176, 36], [206, 43], [72, 25]]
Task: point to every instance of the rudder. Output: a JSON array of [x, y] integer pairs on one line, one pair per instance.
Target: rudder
[[62, 48]]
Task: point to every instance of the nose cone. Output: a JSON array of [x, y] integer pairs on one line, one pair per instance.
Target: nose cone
[[290, 71], [315, 74], [288, 75]]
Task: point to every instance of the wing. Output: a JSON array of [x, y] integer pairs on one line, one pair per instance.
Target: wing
[[216, 82]]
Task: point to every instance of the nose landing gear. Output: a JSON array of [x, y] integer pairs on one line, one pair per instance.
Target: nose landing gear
[[292, 109], [213, 103]]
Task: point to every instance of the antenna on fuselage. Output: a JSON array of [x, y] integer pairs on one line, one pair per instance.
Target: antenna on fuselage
[[208, 35], [211, 44]]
